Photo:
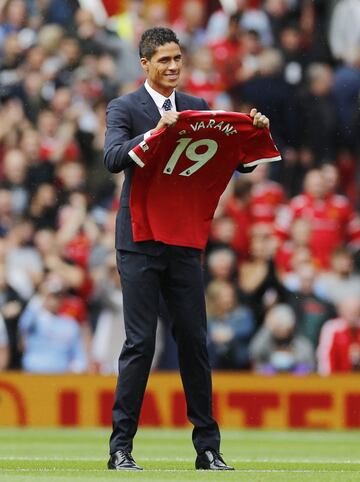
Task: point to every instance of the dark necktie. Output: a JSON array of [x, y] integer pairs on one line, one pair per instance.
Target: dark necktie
[[167, 104]]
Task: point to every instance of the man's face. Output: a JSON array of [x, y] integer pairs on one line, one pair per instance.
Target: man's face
[[314, 184], [163, 69]]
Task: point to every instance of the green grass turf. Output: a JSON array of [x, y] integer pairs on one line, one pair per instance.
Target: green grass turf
[[81, 454]]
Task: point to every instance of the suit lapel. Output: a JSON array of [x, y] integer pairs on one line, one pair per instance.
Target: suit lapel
[[149, 105], [181, 103]]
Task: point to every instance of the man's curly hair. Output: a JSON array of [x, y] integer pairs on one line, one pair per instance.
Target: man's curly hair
[[153, 38]]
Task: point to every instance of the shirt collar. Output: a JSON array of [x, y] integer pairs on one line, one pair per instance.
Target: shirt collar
[[159, 99]]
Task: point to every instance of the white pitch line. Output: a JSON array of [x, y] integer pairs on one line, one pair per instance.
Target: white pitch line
[[255, 436], [90, 459], [182, 459], [252, 471]]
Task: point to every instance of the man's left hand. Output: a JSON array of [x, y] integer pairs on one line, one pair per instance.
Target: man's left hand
[[259, 120]]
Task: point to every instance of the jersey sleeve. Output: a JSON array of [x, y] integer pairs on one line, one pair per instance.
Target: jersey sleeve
[[144, 152], [258, 148]]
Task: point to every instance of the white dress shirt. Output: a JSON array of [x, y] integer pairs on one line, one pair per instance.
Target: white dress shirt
[[160, 99]]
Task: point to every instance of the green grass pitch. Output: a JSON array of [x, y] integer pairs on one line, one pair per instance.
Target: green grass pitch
[[261, 455]]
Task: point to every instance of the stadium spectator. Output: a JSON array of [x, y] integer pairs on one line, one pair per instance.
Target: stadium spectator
[[314, 22], [268, 90], [43, 207], [52, 343], [334, 221], [230, 327], [130, 22], [227, 50], [293, 250], [331, 177], [13, 123], [4, 345], [95, 40], [23, 264], [249, 19], [267, 196], [278, 12], [14, 178], [299, 258], [49, 39], [203, 80], [238, 208], [11, 306], [110, 330], [57, 136], [244, 66], [258, 282], [30, 90], [222, 265], [55, 257], [339, 345], [341, 281], [6, 215], [189, 26], [316, 104], [296, 58], [38, 170], [310, 309], [346, 99], [59, 12], [276, 348], [344, 31], [14, 18], [223, 233]]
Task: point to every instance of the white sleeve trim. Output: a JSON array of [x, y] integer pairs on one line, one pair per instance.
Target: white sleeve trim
[[262, 161], [136, 158]]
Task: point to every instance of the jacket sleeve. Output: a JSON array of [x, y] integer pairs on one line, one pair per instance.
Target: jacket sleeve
[[118, 138]]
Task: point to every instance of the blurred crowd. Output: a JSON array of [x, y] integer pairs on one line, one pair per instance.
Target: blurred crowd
[[282, 266]]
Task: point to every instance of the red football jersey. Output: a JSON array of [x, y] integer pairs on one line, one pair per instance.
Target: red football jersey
[[185, 169]]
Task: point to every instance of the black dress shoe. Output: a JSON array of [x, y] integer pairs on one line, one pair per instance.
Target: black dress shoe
[[211, 460], [122, 460]]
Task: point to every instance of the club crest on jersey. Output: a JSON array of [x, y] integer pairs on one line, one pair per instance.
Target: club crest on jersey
[[144, 146], [227, 128]]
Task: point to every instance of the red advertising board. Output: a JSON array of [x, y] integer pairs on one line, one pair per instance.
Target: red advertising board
[[247, 401]]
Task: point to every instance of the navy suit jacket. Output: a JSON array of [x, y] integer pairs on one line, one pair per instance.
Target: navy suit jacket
[[128, 118]]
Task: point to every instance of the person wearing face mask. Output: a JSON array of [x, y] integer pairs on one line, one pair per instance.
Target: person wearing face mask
[[276, 348]]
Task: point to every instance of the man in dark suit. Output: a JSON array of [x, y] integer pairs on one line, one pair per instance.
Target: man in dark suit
[[149, 269]]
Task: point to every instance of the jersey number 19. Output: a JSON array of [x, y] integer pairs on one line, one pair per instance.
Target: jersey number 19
[[191, 154]]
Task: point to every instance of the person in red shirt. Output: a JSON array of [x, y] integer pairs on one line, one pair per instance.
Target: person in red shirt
[[267, 196], [333, 219], [238, 208], [227, 51], [339, 345], [204, 80], [298, 241]]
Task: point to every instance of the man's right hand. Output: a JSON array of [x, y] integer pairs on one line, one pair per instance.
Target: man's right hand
[[167, 120]]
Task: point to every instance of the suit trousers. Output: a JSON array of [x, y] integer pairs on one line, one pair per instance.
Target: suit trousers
[[176, 274]]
